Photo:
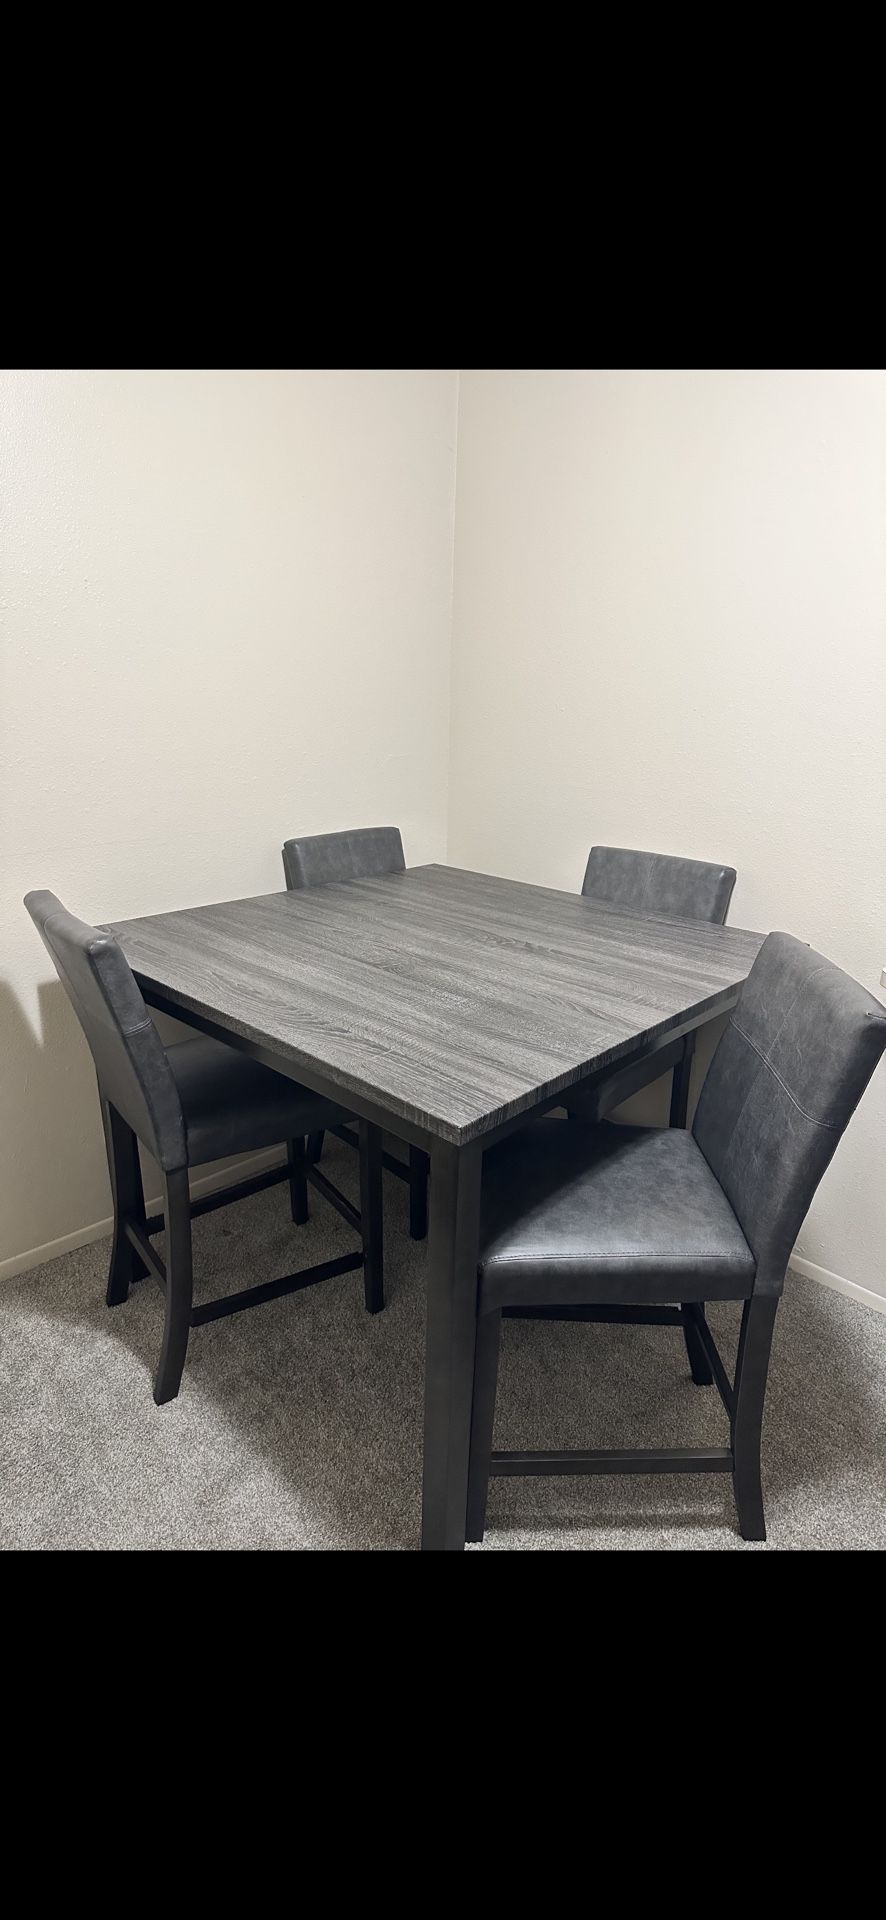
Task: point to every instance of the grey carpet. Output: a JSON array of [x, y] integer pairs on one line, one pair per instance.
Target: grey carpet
[[299, 1425]]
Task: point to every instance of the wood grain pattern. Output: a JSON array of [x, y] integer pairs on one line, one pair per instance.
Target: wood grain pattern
[[452, 1000]]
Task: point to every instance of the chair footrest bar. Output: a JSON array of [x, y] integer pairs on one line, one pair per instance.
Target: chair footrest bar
[[397, 1167], [337, 1200], [616, 1460], [273, 1177], [389, 1160], [274, 1289], [211, 1201], [712, 1351], [138, 1239], [618, 1316]]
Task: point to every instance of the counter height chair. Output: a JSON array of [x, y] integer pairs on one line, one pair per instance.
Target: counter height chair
[[651, 883], [318, 859], [618, 1223], [359, 853], [188, 1103]]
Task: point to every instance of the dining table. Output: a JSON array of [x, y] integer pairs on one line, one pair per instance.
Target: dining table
[[444, 1007]]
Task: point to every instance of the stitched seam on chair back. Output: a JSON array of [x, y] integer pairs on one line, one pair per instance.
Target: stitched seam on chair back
[[764, 1060], [829, 1126]]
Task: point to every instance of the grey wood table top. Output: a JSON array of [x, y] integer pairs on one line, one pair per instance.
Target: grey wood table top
[[452, 1000]]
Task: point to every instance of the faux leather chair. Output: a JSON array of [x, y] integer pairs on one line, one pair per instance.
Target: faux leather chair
[[651, 883], [195, 1101], [360, 853], [318, 859], [616, 1223]]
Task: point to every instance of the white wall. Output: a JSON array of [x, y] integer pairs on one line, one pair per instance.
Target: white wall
[[670, 632], [227, 618]]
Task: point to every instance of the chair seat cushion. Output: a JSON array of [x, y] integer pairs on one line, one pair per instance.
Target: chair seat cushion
[[575, 1215], [233, 1104]]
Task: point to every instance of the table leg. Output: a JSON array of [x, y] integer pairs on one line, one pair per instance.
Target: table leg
[[449, 1349]]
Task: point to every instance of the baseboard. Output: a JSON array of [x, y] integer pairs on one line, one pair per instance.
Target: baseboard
[[850, 1288], [82, 1236]]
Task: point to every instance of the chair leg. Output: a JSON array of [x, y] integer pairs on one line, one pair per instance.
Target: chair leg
[[681, 1083], [179, 1286], [298, 1185], [755, 1342], [371, 1218], [699, 1363], [125, 1171], [482, 1421], [315, 1146], [418, 1193]]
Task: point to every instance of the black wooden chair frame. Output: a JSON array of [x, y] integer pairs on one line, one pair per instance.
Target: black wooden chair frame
[[415, 1172], [132, 1255], [743, 1399]]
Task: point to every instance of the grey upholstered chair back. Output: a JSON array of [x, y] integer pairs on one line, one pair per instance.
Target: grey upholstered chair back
[[659, 883], [130, 1059], [784, 1082], [320, 858]]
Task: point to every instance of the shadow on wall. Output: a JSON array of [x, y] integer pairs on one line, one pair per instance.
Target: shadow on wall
[[53, 1170], [53, 1173]]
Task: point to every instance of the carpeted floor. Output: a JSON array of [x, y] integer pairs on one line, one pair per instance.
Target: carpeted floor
[[299, 1425]]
